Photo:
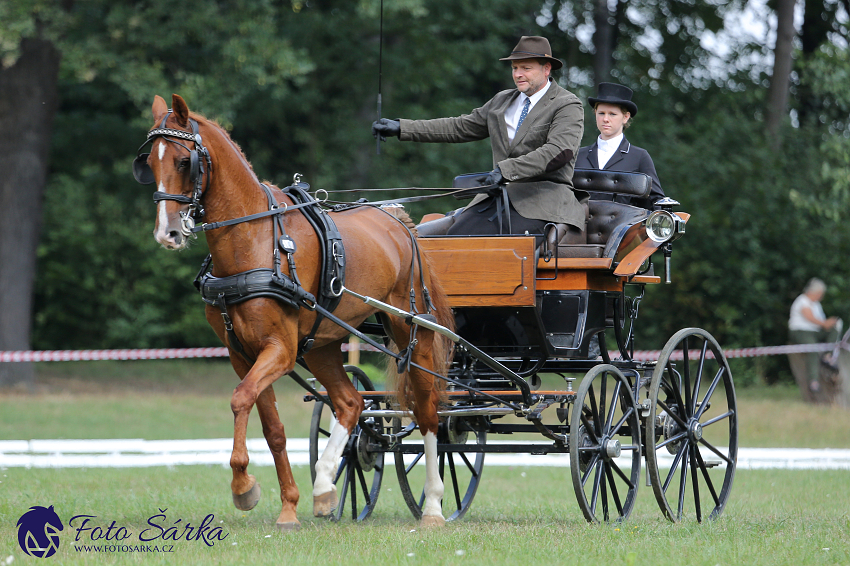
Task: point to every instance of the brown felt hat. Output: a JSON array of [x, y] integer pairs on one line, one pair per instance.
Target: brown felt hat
[[534, 47]]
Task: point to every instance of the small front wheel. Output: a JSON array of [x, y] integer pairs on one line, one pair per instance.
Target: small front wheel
[[605, 445]]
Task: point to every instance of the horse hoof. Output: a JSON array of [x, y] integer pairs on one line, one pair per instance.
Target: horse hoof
[[249, 499], [325, 504], [431, 522], [289, 527]]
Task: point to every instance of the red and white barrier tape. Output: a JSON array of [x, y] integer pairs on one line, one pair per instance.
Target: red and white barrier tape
[[181, 353]]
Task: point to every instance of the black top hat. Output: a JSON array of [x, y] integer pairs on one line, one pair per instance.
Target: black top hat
[[610, 93], [534, 47]]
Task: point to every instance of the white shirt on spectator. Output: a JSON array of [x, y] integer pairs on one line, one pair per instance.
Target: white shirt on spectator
[[797, 321]]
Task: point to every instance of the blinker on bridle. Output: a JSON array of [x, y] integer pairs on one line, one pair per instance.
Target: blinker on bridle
[[198, 157]]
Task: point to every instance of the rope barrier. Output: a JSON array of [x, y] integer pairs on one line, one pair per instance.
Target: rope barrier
[[186, 353]]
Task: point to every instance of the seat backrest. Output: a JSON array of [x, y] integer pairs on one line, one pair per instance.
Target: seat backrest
[[604, 216], [612, 182]]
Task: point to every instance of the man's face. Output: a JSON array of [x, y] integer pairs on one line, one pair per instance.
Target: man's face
[[529, 75]]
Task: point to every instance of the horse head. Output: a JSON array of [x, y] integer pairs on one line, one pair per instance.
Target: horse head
[[180, 166]]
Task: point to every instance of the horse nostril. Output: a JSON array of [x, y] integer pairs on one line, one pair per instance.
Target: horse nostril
[[174, 235]]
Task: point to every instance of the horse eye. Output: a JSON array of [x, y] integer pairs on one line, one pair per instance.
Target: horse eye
[[183, 165]]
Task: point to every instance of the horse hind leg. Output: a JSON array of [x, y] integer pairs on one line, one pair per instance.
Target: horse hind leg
[[276, 438], [326, 364], [426, 398]]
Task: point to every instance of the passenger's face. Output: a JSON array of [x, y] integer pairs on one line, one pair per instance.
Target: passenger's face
[[610, 119], [529, 75]]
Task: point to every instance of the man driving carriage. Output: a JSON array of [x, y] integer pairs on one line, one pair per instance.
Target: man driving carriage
[[535, 132]]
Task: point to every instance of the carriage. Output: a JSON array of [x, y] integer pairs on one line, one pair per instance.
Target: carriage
[[529, 314], [528, 371]]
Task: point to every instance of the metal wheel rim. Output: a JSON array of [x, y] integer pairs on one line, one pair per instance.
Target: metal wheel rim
[[693, 450], [447, 461], [357, 492], [603, 472]]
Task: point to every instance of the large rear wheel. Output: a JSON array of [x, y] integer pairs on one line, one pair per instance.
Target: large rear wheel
[[692, 428]]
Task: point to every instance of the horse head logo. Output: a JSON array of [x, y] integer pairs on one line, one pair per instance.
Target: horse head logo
[[38, 531]]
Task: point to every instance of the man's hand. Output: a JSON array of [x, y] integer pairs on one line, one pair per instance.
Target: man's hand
[[495, 177], [384, 128]]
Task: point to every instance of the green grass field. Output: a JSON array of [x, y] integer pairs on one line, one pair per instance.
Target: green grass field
[[521, 514]]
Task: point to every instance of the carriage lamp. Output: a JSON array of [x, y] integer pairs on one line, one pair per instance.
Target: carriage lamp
[[664, 226]]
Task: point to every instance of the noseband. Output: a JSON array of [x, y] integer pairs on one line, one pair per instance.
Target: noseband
[[198, 158]]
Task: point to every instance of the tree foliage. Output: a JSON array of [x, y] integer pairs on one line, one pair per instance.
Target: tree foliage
[[296, 83]]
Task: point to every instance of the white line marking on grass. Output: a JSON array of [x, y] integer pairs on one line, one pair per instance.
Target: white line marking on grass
[[138, 453]]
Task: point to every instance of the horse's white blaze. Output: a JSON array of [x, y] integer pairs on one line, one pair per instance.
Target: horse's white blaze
[[328, 462], [433, 484], [161, 234], [161, 149]]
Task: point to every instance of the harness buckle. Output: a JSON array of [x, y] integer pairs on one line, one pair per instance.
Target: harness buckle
[[228, 324]]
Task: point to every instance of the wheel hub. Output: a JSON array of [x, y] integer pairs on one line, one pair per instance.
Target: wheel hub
[[454, 432], [611, 448], [695, 430], [366, 454]]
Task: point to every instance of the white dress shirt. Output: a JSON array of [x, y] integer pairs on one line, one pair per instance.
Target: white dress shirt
[[515, 109], [607, 148]]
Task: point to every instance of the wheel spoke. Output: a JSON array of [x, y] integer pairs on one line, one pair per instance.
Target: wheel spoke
[[593, 410], [595, 493], [602, 398], [698, 382], [622, 475], [589, 428], [350, 479], [675, 465], [589, 468], [679, 436], [683, 482], [363, 486], [614, 491], [686, 378], [454, 480], [710, 392], [413, 463], [342, 467], [725, 415], [323, 431], [716, 451], [705, 476], [672, 414], [696, 485], [468, 464], [604, 489], [343, 495], [622, 421], [610, 418]]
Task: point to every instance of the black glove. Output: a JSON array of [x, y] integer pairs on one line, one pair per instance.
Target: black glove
[[385, 128], [495, 177]]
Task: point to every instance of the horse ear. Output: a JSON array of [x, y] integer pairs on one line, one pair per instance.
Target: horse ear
[[181, 110], [159, 108]]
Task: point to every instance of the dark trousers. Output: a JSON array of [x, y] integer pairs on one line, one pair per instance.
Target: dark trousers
[[813, 358], [483, 218]]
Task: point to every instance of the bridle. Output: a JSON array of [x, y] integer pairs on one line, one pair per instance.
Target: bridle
[[199, 165]]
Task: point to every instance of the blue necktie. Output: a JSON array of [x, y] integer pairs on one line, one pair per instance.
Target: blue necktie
[[524, 113]]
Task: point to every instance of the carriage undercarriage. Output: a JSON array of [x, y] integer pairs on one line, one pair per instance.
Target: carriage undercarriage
[[676, 416]]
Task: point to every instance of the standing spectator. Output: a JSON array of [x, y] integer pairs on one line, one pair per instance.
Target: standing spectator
[[809, 325]]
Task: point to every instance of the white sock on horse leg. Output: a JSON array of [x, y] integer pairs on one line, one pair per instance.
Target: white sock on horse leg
[[433, 483], [329, 460]]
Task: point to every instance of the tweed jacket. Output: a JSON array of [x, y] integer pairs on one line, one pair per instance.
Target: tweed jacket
[[628, 159], [538, 163]]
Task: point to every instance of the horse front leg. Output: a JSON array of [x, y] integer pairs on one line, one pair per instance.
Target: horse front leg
[[269, 366], [326, 364], [276, 439]]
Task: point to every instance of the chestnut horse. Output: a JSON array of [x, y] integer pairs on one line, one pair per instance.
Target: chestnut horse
[[379, 256]]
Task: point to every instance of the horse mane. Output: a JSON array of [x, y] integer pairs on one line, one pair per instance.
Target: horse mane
[[402, 216], [225, 134]]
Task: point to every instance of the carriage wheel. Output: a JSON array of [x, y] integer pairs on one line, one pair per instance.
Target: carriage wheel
[[361, 467], [605, 445], [460, 471], [693, 412]]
